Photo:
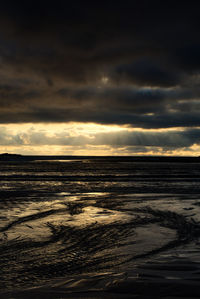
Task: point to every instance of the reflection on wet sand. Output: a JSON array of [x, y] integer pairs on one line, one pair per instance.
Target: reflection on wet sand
[[64, 229], [91, 232]]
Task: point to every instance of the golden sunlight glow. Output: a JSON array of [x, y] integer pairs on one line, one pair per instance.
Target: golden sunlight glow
[[72, 127], [83, 139], [104, 80]]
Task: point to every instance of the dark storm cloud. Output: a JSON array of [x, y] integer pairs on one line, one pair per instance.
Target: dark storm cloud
[[115, 98], [144, 72], [144, 107], [93, 61], [76, 39], [188, 57], [14, 93]]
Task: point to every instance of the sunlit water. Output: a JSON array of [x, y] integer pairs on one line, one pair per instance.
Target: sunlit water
[[60, 218]]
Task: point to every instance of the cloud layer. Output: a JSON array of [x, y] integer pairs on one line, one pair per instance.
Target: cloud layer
[[135, 64], [110, 140]]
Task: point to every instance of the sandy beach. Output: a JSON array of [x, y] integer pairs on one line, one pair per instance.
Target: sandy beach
[[132, 231], [120, 285]]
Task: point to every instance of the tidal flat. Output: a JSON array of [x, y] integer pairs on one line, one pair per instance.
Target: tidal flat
[[99, 228]]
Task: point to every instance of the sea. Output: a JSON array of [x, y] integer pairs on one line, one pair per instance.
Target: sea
[[64, 217]]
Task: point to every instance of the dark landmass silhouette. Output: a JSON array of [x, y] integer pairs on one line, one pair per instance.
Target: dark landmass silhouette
[[167, 159]]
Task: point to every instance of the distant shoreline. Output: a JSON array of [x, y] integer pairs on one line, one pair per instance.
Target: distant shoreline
[[175, 159]]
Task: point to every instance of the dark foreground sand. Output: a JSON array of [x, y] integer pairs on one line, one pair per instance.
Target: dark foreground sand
[[147, 283], [126, 289]]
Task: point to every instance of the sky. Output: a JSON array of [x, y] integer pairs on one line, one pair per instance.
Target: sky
[[100, 77]]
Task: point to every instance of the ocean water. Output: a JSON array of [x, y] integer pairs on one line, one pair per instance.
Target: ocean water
[[69, 217]]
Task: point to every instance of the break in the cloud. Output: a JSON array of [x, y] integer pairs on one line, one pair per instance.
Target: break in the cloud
[[79, 138], [134, 64]]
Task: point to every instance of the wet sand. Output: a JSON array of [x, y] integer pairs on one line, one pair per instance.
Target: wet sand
[[87, 229], [144, 285]]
